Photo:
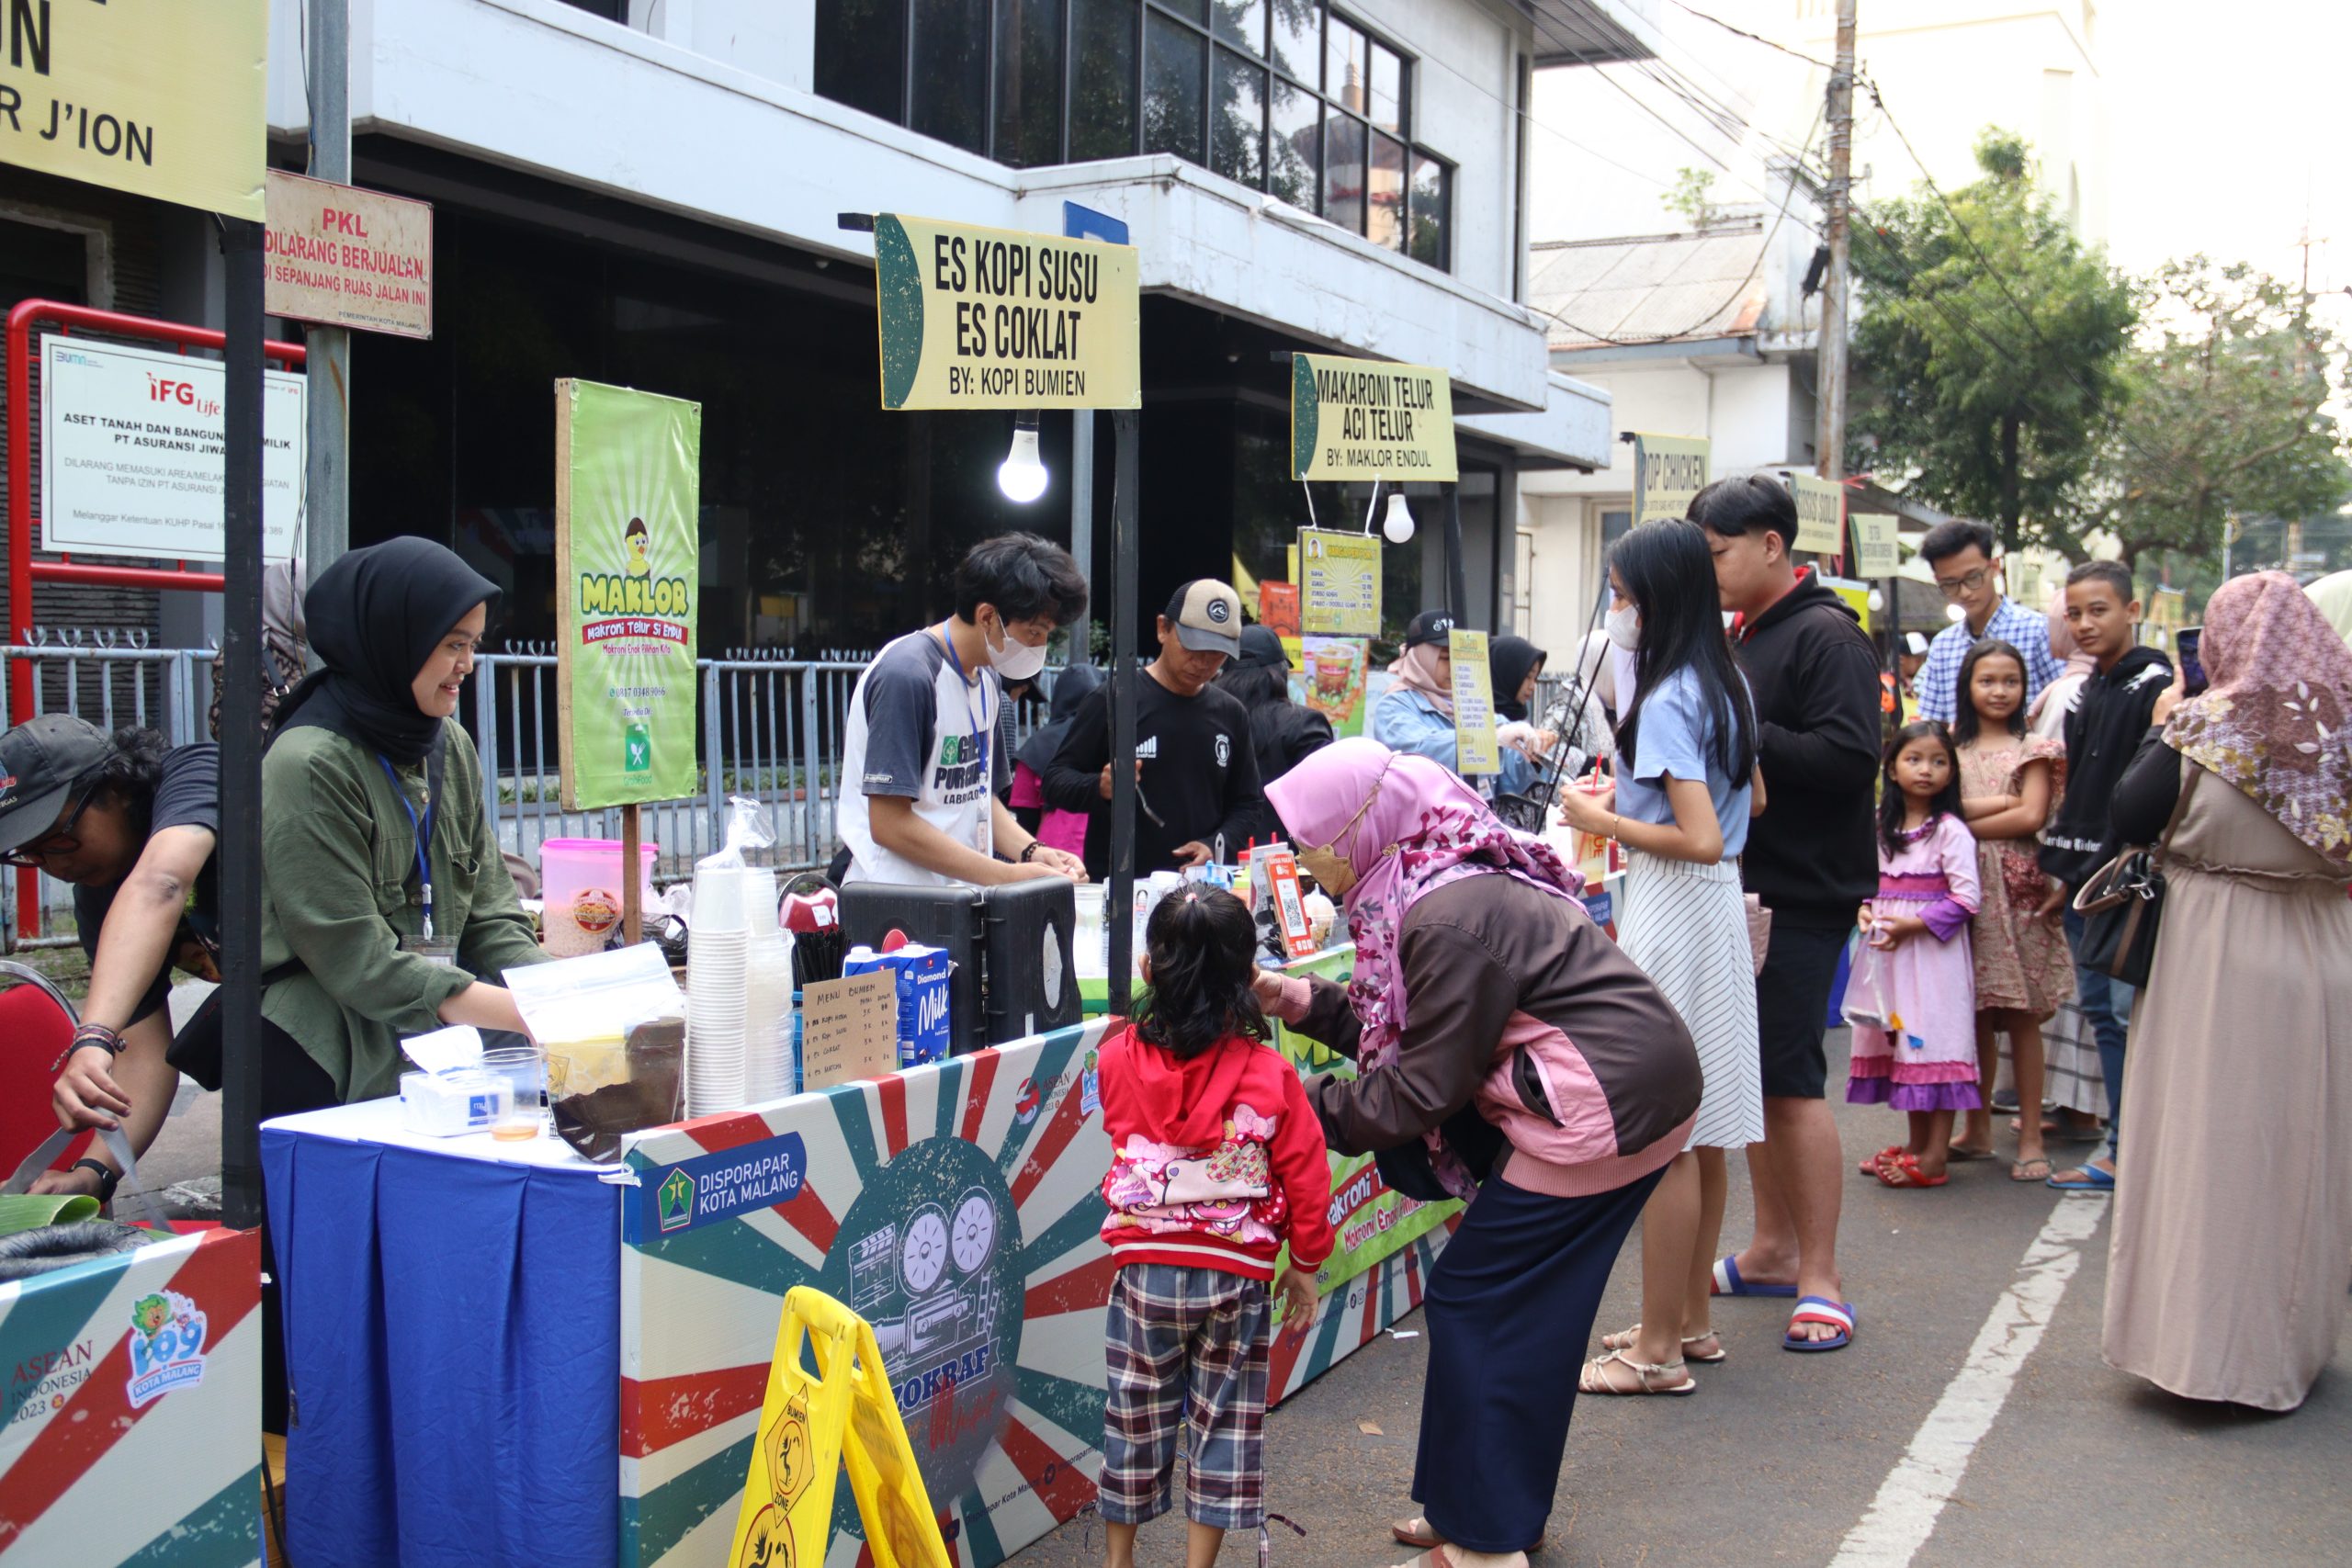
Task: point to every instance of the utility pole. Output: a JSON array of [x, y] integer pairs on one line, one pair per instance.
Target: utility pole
[[1830, 436], [326, 480]]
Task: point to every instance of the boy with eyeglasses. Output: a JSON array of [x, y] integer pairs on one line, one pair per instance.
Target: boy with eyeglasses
[[133, 827], [1962, 555]]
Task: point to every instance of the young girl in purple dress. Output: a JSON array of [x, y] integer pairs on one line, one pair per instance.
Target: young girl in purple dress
[[1912, 998]]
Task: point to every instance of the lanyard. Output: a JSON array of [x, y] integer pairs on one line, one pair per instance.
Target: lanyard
[[977, 719], [424, 832]]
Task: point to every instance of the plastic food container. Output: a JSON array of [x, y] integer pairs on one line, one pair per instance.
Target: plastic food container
[[580, 882]]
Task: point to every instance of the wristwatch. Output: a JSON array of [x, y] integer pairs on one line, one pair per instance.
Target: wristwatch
[[109, 1177]]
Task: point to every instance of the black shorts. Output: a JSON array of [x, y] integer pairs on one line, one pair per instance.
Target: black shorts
[[1792, 1008]]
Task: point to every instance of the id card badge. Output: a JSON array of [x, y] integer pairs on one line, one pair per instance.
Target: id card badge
[[433, 950]]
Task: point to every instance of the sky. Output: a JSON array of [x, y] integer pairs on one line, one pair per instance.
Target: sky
[[2225, 129]]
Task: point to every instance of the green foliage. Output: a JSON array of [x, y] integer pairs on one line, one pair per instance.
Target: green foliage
[[1986, 416], [2226, 413], [1689, 197]]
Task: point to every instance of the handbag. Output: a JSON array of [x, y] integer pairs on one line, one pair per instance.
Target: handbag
[[2122, 903], [1759, 929]]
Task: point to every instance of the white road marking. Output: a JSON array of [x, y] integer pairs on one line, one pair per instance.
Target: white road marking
[[1904, 1513]]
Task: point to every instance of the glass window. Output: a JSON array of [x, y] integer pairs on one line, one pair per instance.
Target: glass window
[[1237, 129], [861, 54], [1385, 192], [1432, 199], [1297, 46], [1240, 21], [1343, 172], [1102, 80], [1387, 90], [1345, 67], [1191, 10], [1028, 82], [1293, 165], [950, 90], [1173, 68]]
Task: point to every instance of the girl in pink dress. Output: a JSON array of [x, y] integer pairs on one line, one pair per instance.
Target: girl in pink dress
[[1912, 998]]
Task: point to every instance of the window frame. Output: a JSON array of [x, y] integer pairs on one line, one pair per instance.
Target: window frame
[[1257, 56]]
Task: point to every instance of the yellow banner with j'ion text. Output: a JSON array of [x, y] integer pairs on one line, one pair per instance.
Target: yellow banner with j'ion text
[[995, 319], [157, 97]]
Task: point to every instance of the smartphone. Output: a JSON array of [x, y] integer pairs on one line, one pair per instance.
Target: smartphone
[[2192, 669]]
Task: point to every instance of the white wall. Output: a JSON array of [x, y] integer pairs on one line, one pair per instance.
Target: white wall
[[541, 86]]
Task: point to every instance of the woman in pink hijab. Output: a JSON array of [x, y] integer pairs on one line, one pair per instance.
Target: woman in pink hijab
[[1508, 1055]]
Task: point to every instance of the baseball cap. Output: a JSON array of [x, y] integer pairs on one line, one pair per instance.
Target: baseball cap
[[42, 761], [1207, 615], [1430, 626], [1262, 648]]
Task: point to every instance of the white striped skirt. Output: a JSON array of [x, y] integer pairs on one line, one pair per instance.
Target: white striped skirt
[[1687, 927]]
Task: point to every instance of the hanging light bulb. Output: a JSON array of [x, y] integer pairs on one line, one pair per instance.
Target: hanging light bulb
[[1399, 526], [1022, 476], [1877, 600]]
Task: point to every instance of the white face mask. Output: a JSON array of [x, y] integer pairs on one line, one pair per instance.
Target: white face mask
[[1013, 659], [1623, 625]]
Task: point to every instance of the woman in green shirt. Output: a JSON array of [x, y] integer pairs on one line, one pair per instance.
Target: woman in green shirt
[[349, 786]]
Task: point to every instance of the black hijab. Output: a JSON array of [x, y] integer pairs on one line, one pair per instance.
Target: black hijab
[[1509, 660], [1072, 687], [374, 618]]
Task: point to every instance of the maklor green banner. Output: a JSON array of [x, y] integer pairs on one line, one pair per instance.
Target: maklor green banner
[[628, 501]]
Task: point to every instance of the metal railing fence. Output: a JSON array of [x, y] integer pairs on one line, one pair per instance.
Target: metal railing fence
[[772, 729]]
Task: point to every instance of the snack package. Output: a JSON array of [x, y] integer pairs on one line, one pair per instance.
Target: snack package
[[612, 1027], [1283, 924]]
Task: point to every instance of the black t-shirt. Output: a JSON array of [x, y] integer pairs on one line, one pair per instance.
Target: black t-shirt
[[187, 794], [1200, 774]]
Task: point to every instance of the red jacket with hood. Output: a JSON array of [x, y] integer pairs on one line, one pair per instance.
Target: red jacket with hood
[[1215, 1160]]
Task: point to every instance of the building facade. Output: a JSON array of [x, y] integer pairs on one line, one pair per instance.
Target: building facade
[[650, 193]]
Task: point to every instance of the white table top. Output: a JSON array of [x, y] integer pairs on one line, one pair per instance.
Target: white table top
[[378, 1121]]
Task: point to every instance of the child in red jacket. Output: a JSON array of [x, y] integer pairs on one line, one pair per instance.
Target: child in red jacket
[[1216, 1159]]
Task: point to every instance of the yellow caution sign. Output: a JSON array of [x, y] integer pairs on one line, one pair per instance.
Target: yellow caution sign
[[810, 1427]]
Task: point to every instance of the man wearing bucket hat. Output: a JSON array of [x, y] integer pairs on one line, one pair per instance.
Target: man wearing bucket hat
[[132, 827], [1196, 768]]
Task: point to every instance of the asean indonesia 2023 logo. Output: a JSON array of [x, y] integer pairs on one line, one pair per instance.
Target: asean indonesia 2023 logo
[[167, 1346]]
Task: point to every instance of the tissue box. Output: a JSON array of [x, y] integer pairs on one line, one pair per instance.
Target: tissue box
[[444, 1105], [922, 978]]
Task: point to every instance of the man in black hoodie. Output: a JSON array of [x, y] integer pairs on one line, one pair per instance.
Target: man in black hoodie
[[1811, 860], [2109, 718]]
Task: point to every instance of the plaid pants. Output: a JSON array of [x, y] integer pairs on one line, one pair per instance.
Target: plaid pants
[[1187, 1347]]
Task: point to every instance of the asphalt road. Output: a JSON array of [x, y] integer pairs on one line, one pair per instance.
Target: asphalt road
[[1780, 1458]]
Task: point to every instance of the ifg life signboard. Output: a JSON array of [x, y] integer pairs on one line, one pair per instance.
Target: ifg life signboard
[[132, 442], [628, 553], [974, 318]]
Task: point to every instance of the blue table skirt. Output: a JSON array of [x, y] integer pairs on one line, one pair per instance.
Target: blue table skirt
[[453, 1340]]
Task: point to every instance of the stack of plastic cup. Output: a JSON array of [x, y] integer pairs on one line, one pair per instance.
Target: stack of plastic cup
[[717, 965], [767, 1027]]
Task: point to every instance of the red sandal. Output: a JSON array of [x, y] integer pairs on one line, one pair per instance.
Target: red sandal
[[1871, 1166], [1903, 1171]]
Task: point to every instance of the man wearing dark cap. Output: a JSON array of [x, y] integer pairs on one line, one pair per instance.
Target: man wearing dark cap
[[132, 827], [1196, 771]]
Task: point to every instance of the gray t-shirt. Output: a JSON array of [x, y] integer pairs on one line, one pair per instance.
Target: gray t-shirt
[[187, 794]]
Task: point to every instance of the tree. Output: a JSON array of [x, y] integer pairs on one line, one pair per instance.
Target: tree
[[2226, 414], [1691, 197], [1988, 352]]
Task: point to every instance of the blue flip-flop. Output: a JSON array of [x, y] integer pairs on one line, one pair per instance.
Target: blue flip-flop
[[1727, 1282], [2094, 1180], [1820, 1309]]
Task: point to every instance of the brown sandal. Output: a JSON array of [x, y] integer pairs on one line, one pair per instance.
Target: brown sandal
[[1650, 1377], [1623, 1339]]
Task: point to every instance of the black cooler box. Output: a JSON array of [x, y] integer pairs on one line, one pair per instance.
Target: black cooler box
[[1012, 948]]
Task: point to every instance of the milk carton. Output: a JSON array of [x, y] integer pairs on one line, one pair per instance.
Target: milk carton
[[923, 975]]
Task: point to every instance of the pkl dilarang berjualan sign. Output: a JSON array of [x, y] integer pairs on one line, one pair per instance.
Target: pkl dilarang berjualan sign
[[346, 257], [974, 318]]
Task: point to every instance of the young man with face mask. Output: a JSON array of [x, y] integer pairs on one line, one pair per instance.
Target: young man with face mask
[[1196, 767], [917, 807]]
